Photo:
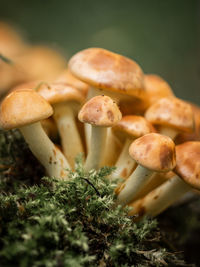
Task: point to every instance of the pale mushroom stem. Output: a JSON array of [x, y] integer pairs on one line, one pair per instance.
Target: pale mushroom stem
[[45, 151], [160, 198], [97, 148], [172, 133], [125, 164], [129, 190], [113, 147], [156, 180], [70, 137]]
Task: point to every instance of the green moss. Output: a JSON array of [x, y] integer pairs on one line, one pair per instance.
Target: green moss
[[74, 223]]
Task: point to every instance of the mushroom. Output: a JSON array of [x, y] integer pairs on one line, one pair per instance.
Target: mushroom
[[64, 99], [172, 115], [24, 109], [195, 135], [110, 74], [67, 77], [156, 88], [154, 153], [101, 112], [129, 128], [187, 177], [40, 62]]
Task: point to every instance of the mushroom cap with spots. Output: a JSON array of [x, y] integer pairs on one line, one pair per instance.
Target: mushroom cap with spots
[[188, 163], [100, 111], [132, 126], [156, 88], [172, 112], [107, 70], [154, 151], [23, 107], [59, 92]]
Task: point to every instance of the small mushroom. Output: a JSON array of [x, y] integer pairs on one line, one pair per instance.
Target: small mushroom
[[64, 99], [154, 153], [24, 109], [187, 177], [101, 112], [129, 128], [172, 115]]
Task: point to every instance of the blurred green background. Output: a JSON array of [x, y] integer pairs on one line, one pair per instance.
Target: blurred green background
[[161, 35]]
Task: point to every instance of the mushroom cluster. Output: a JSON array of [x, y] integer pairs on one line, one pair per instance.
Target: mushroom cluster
[[106, 108]]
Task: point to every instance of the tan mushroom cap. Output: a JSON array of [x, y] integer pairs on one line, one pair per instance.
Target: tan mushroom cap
[[41, 63], [67, 77], [107, 70], [154, 151], [172, 112], [23, 107], [100, 111], [195, 135], [59, 92], [132, 126], [156, 88], [188, 163], [30, 85]]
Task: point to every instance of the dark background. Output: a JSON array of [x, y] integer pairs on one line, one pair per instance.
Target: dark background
[[161, 35]]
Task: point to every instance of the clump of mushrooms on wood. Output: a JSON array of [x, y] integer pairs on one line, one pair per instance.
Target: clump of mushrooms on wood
[[103, 106]]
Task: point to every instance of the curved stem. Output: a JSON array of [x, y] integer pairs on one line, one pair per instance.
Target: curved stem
[[70, 137], [129, 190], [125, 164], [45, 151], [97, 148], [160, 198]]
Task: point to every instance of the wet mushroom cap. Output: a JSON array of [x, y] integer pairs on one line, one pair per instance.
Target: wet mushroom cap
[[171, 112], [154, 151], [188, 163], [23, 107], [132, 126], [59, 92], [100, 111], [107, 70]]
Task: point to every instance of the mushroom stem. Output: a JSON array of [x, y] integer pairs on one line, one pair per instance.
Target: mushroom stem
[[70, 137], [160, 198], [97, 147], [156, 180], [172, 133], [125, 164], [45, 151], [113, 148], [129, 190]]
